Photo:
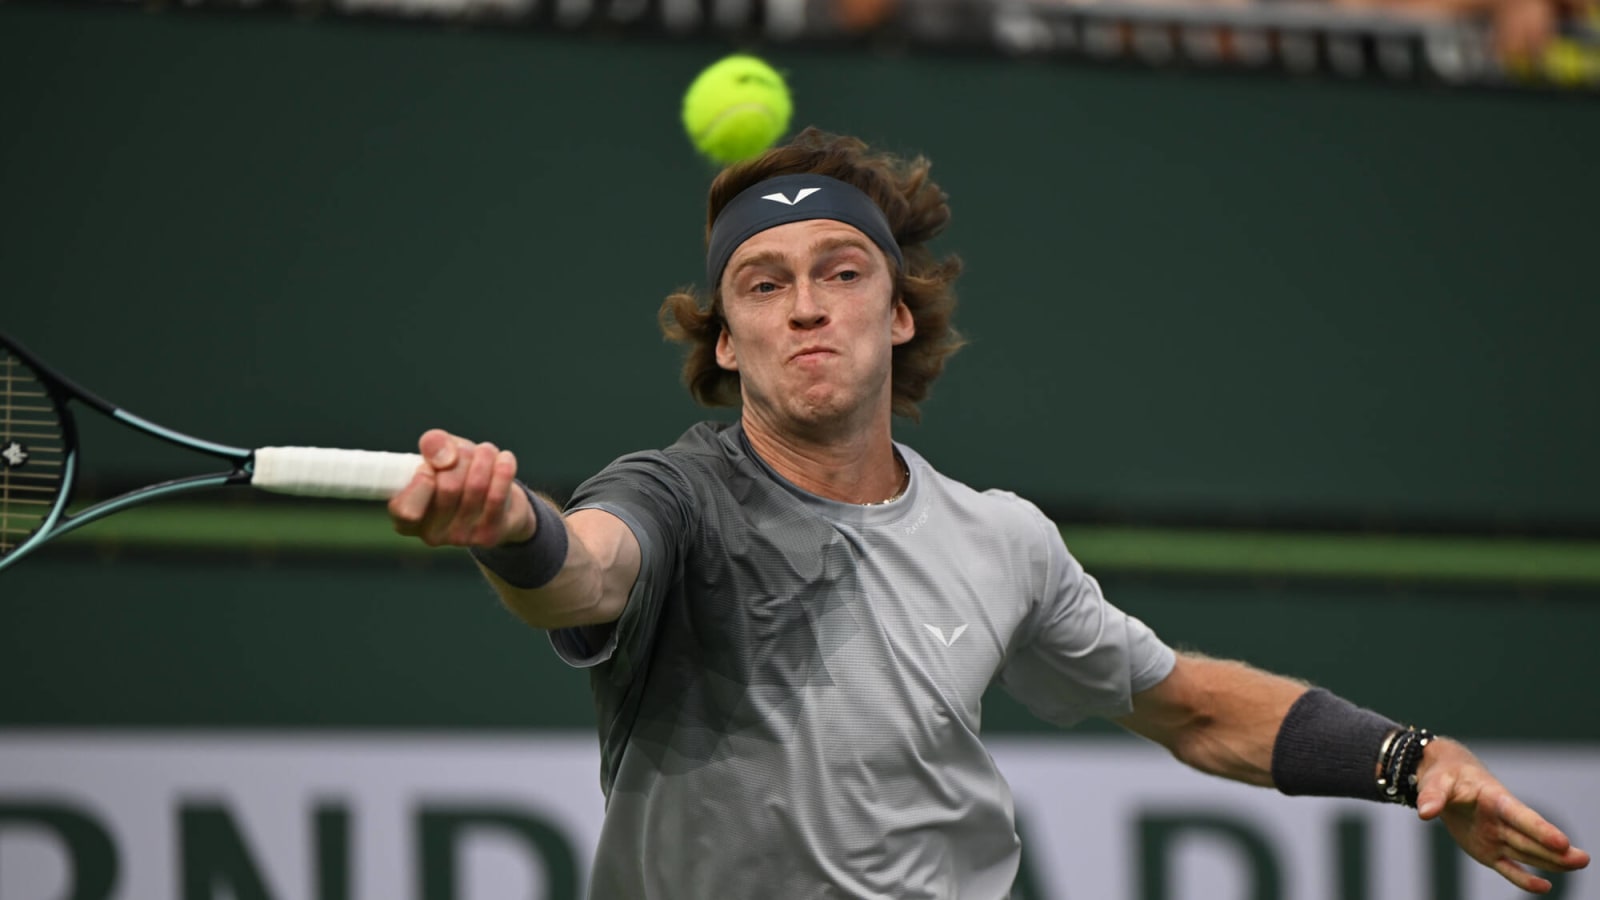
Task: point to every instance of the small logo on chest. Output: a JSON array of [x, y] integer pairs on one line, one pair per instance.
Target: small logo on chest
[[939, 633]]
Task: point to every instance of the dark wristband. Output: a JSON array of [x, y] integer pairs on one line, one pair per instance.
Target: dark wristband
[[1329, 747], [534, 562]]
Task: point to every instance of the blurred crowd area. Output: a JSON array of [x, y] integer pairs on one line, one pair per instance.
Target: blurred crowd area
[[1545, 42], [1497, 43], [1501, 43]]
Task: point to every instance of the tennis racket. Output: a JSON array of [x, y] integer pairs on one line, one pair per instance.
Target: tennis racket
[[39, 460]]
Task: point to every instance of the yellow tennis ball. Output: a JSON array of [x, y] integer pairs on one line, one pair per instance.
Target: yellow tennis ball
[[736, 108]]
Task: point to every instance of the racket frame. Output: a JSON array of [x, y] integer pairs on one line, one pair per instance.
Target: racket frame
[[62, 391]]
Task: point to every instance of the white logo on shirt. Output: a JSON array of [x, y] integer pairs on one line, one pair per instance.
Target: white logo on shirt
[[939, 633]]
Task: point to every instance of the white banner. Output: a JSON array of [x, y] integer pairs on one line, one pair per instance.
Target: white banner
[[119, 816]]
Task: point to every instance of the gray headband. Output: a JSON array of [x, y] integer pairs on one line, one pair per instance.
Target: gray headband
[[793, 198]]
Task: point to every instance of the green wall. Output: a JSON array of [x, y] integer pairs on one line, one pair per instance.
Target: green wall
[[1222, 298], [420, 642], [1212, 297]]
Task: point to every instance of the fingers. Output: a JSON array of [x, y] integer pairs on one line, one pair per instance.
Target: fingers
[[448, 480], [408, 508], [461, 495], [470, 524], [1528, 822], [1521, 877], [1534, 840], [500, 499], [1529, 850], [1525, 821], [458, 496], [438, 447], [1505, 834], [1490, 823], [1526, 850]]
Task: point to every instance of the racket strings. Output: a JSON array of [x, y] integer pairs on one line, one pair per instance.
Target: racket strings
[[33, 450]]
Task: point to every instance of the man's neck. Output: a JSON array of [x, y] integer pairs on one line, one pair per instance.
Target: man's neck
[[859, 468]]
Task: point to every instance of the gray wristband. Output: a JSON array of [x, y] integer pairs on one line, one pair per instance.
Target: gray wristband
[[534, 562], [1328, 747]]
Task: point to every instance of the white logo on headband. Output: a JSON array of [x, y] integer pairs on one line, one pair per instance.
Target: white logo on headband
[[799, 195]]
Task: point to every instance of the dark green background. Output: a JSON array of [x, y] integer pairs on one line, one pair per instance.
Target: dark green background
[[422, 643], [1210, 298], [1216, 298]]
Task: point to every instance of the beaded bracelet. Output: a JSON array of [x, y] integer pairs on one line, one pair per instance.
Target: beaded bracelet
[[1398, 762]]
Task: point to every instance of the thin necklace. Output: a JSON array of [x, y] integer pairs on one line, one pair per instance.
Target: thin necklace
[[905, 482]]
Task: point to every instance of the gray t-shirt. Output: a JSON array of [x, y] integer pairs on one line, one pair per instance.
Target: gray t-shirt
[[790, 704]]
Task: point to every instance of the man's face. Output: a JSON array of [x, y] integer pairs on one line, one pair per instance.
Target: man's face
[[810, 325]]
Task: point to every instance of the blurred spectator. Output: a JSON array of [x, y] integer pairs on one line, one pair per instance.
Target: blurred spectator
[[860, 16], [1522, 29]]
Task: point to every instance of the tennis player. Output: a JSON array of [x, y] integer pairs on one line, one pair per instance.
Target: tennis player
[[790, 621]]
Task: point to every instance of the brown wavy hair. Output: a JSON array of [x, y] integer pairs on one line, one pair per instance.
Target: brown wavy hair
[[917, 211]]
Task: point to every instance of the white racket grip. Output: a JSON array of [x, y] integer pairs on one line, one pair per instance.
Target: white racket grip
[[344, 474]]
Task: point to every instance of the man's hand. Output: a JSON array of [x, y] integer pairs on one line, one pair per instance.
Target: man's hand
[[1491, 825], [463, 495]]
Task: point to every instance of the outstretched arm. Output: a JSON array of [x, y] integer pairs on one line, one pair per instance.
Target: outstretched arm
[[1226, 718], [465, 494], [1218, 716]]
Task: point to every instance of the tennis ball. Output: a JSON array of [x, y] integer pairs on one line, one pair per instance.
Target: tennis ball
[[736, 108]]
